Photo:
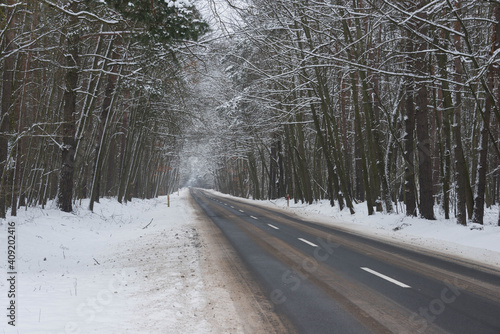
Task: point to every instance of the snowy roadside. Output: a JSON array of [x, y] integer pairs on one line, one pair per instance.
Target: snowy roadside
[[440, 236], [148, 268], [135, 268]]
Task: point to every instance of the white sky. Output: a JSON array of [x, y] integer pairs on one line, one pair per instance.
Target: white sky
[[220, 14]]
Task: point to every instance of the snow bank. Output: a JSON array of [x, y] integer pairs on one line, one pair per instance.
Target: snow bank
[[131, 268]]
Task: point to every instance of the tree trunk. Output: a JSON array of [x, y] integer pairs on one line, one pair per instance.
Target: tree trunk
[[422, 120], [103, 125], [479, 199], [252, 166], [7, 82], [65, 192], [303, 171], [446, 131], [274, 169], [19, 117], [410, 188], [461, 172], [123, 149], [486, 115]]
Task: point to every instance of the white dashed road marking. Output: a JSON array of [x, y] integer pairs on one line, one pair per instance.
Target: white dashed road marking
[[387, 278], [308, 242]]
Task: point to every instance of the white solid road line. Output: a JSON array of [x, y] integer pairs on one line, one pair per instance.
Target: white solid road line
[[276, 228], [308, 242], [387, 278]]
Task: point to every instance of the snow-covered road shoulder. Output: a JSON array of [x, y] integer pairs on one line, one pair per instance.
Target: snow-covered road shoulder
[[133, 268]]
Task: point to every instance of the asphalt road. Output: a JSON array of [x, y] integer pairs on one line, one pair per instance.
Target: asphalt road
[[327, 280]]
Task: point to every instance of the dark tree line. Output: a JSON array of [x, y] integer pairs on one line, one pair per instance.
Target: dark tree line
[[391, 103], [91, 99], [394, 104]]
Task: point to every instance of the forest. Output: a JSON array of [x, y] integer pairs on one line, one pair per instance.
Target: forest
[[395, 104], [92, 99]]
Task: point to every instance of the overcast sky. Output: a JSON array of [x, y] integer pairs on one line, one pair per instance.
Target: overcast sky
[[219, 13]]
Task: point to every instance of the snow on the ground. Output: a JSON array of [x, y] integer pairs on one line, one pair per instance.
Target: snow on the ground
[[477, 243], [142, 267], [131, 268]]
